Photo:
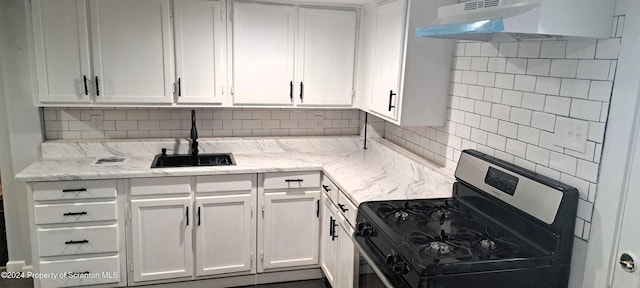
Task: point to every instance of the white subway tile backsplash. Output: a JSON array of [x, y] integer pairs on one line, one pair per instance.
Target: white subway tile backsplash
[[539, 67], [486, 78], [467, 104], [543, 121], [564, 68], [493, 95], [529, 49], [563, 163], [594, 69], [581, 49], [508, 49], [520, 116], [526, 164], [528, 134], [553, 49], [553, 174], [508, 129], [608, 48], [516, 66], [578, 228], [596, 132], [517, 148], [557, 105], [501, 112], [473, 49], [585, 209], [587, 170], [479, 63], [479, 136], [462, 63], [505, 81], [489, 124], [473, 120], [533, 101], [489, 49], [482, 108], [496, 141], [512, 98], [497, 65], [575, 88], [525, 83], [586, 110], [600, 90], [548, 85]]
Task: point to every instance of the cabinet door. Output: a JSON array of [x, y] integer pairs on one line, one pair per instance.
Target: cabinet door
[[388, 58], [200, 51], [62, 50], [263, 53], [290, 229], [161, 239], [325, 58], [328, 243], [132, 51], [346, 256], [224, 226]]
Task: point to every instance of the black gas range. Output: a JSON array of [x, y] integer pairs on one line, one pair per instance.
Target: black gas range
[[504, 227]]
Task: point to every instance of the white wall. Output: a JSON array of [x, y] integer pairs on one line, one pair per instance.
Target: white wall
[[20, 126]]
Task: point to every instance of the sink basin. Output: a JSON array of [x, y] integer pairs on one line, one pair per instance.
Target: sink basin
[[214, 159]]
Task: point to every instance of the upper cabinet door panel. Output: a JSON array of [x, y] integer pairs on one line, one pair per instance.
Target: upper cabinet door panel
[[263, 53], [388, 58], [61, 50], [326, 53], [132, 54], [200, 51]]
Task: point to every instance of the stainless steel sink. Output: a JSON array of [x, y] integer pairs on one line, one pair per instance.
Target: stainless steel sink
[[213, 159]]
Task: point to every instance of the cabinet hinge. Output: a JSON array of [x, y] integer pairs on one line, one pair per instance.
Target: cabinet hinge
[[353, 93], [170, 12], [231, 91], [262, 211], [222, 89], [251, 260], [231, 15], [130, 216], [131, 267], [262, 257]]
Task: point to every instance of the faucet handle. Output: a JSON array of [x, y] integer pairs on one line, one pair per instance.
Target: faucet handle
[[164, 151]]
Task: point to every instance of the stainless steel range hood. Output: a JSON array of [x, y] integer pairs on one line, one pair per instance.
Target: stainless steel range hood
[[510, 20]]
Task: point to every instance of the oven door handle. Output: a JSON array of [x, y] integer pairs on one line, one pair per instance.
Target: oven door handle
[[375, 268]]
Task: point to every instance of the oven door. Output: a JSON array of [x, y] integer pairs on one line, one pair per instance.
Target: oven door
[[369, 275]]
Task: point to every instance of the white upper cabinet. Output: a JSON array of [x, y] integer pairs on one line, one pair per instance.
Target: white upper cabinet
[[263, 53], [388, 58], [61, 51], [325, 56], [411, 75], [200, 45], [132, 51]]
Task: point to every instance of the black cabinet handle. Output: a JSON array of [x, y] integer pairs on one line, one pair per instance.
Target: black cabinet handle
[[198, 216], [331, 226], [179, 87], [326, 188], [75, 213], [293, 180], [86, 88], [333, 229], [317, 208], [342, 207], [291, 90], [74, 190], [301, 92], [97, 87], [77, 242], [391, 94], [187, 215]]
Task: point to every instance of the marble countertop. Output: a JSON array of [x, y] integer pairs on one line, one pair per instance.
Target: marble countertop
[[384, 171]]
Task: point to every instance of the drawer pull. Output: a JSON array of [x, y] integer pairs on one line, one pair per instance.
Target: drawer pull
[[85, 241], [75, 190], [75, 213], [326, 188], [75, 274], [293, 180], [342, 207]]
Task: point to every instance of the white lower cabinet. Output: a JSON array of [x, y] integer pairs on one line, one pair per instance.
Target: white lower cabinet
[[161, 238], [224, 234], [290, 228], [338, 257]]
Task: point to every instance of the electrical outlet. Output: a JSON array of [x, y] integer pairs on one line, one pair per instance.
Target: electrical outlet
[[96, 122], [572, 134]]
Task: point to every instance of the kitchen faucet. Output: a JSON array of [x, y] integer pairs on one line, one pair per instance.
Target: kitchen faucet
[[194, 134]]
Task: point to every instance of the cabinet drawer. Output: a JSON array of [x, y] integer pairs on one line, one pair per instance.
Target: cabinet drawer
[[75, 212], [156, 186], [65, 190], [78, 240], [347, 208], [291, 180], [224, 183], [330, 189], [80, 272]]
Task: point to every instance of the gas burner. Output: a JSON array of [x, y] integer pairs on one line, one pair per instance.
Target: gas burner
[[400, 215], [441, 213], [438, 248], [487, 244]]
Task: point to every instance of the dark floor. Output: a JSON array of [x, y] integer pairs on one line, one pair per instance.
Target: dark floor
[[321, 283]]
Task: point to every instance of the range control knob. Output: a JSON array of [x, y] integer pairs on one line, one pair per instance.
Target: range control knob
[[397, 264], [365, 229]]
